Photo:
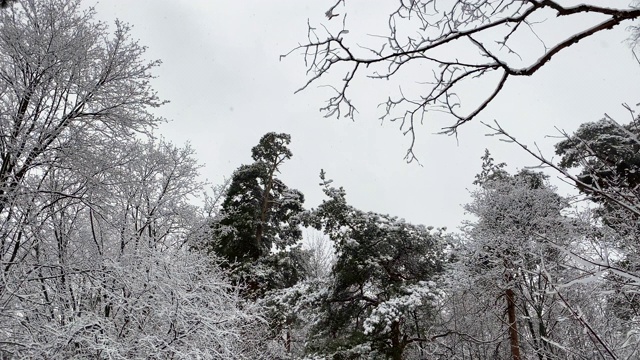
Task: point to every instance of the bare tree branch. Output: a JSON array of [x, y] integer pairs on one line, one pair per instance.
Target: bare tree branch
[[433, 28], [627, 205]]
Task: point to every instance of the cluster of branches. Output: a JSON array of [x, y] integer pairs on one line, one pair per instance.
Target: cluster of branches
[[438, 34], [605, 152], [94, 211], [596, 254]]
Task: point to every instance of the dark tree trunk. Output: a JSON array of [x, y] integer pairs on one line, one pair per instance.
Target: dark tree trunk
[[513, 327], [397, 343]]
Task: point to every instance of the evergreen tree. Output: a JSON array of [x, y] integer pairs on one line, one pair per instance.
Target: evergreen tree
[[383, 285], [259, 220], [608, 156]]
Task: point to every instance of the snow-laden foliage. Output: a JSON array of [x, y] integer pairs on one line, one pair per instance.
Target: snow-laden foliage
[[294, 312], [103, 253], [145, 305], [258, 229], [96, 216], [259, 212], [382, 289], [106, 274], [606, 153], [386, 313], [514, 290]]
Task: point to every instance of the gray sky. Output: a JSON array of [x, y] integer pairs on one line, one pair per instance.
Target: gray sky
[[227, 87]]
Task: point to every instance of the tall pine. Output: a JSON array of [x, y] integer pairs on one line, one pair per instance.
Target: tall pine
[[260, 220]]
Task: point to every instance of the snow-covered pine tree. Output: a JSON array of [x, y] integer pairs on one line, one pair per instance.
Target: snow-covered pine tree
[[383, 287], [259, 222]]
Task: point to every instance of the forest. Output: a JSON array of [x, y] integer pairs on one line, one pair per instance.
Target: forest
[[112, 247]]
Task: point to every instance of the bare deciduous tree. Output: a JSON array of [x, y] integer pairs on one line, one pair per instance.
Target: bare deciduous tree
[[322, 255], [94, 212], [444, 46]]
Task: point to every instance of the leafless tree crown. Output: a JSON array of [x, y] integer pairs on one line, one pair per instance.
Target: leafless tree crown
[[435, 33]]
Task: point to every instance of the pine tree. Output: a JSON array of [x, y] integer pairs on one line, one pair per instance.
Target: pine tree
[[260, 220], [383, 280]]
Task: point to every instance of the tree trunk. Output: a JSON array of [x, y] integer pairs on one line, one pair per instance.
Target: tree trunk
[[264, 208], [397, 345], [513, 327], [287, 341]]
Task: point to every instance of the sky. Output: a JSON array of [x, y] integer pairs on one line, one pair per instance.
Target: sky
[[227, 86]]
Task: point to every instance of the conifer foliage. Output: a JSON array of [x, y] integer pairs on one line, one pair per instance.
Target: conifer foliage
[[260, 220], [383, 291]]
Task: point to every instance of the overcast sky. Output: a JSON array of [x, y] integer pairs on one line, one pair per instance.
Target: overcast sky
[[227, 86]]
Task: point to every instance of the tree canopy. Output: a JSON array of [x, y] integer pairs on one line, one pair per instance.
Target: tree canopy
[[111, 247]]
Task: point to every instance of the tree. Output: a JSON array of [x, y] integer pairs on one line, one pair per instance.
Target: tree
[[510, 254], [321, 255], [607, 155], [260, 212], [258, 229], [424, 33], [606, 255], [63, 79], [296, 313], [606, 152], [297, 308], [383, 285], [107, 275], [608, 172], [64, 83], [95, 213]]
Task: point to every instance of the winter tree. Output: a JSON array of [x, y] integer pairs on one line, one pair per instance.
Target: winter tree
[[259, 221], [258, 207], [95, 213], [511, 256], [433, 50], [257, 233], [606, 154], [383, 283]]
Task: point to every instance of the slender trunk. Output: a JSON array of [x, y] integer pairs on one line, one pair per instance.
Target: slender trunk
[[264, 209], [419, 332], [287, 340], [513, 327], [537, 345], [14, 253], [397, 345]]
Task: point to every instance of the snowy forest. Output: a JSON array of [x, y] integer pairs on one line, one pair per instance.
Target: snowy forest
[[112, 247]]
